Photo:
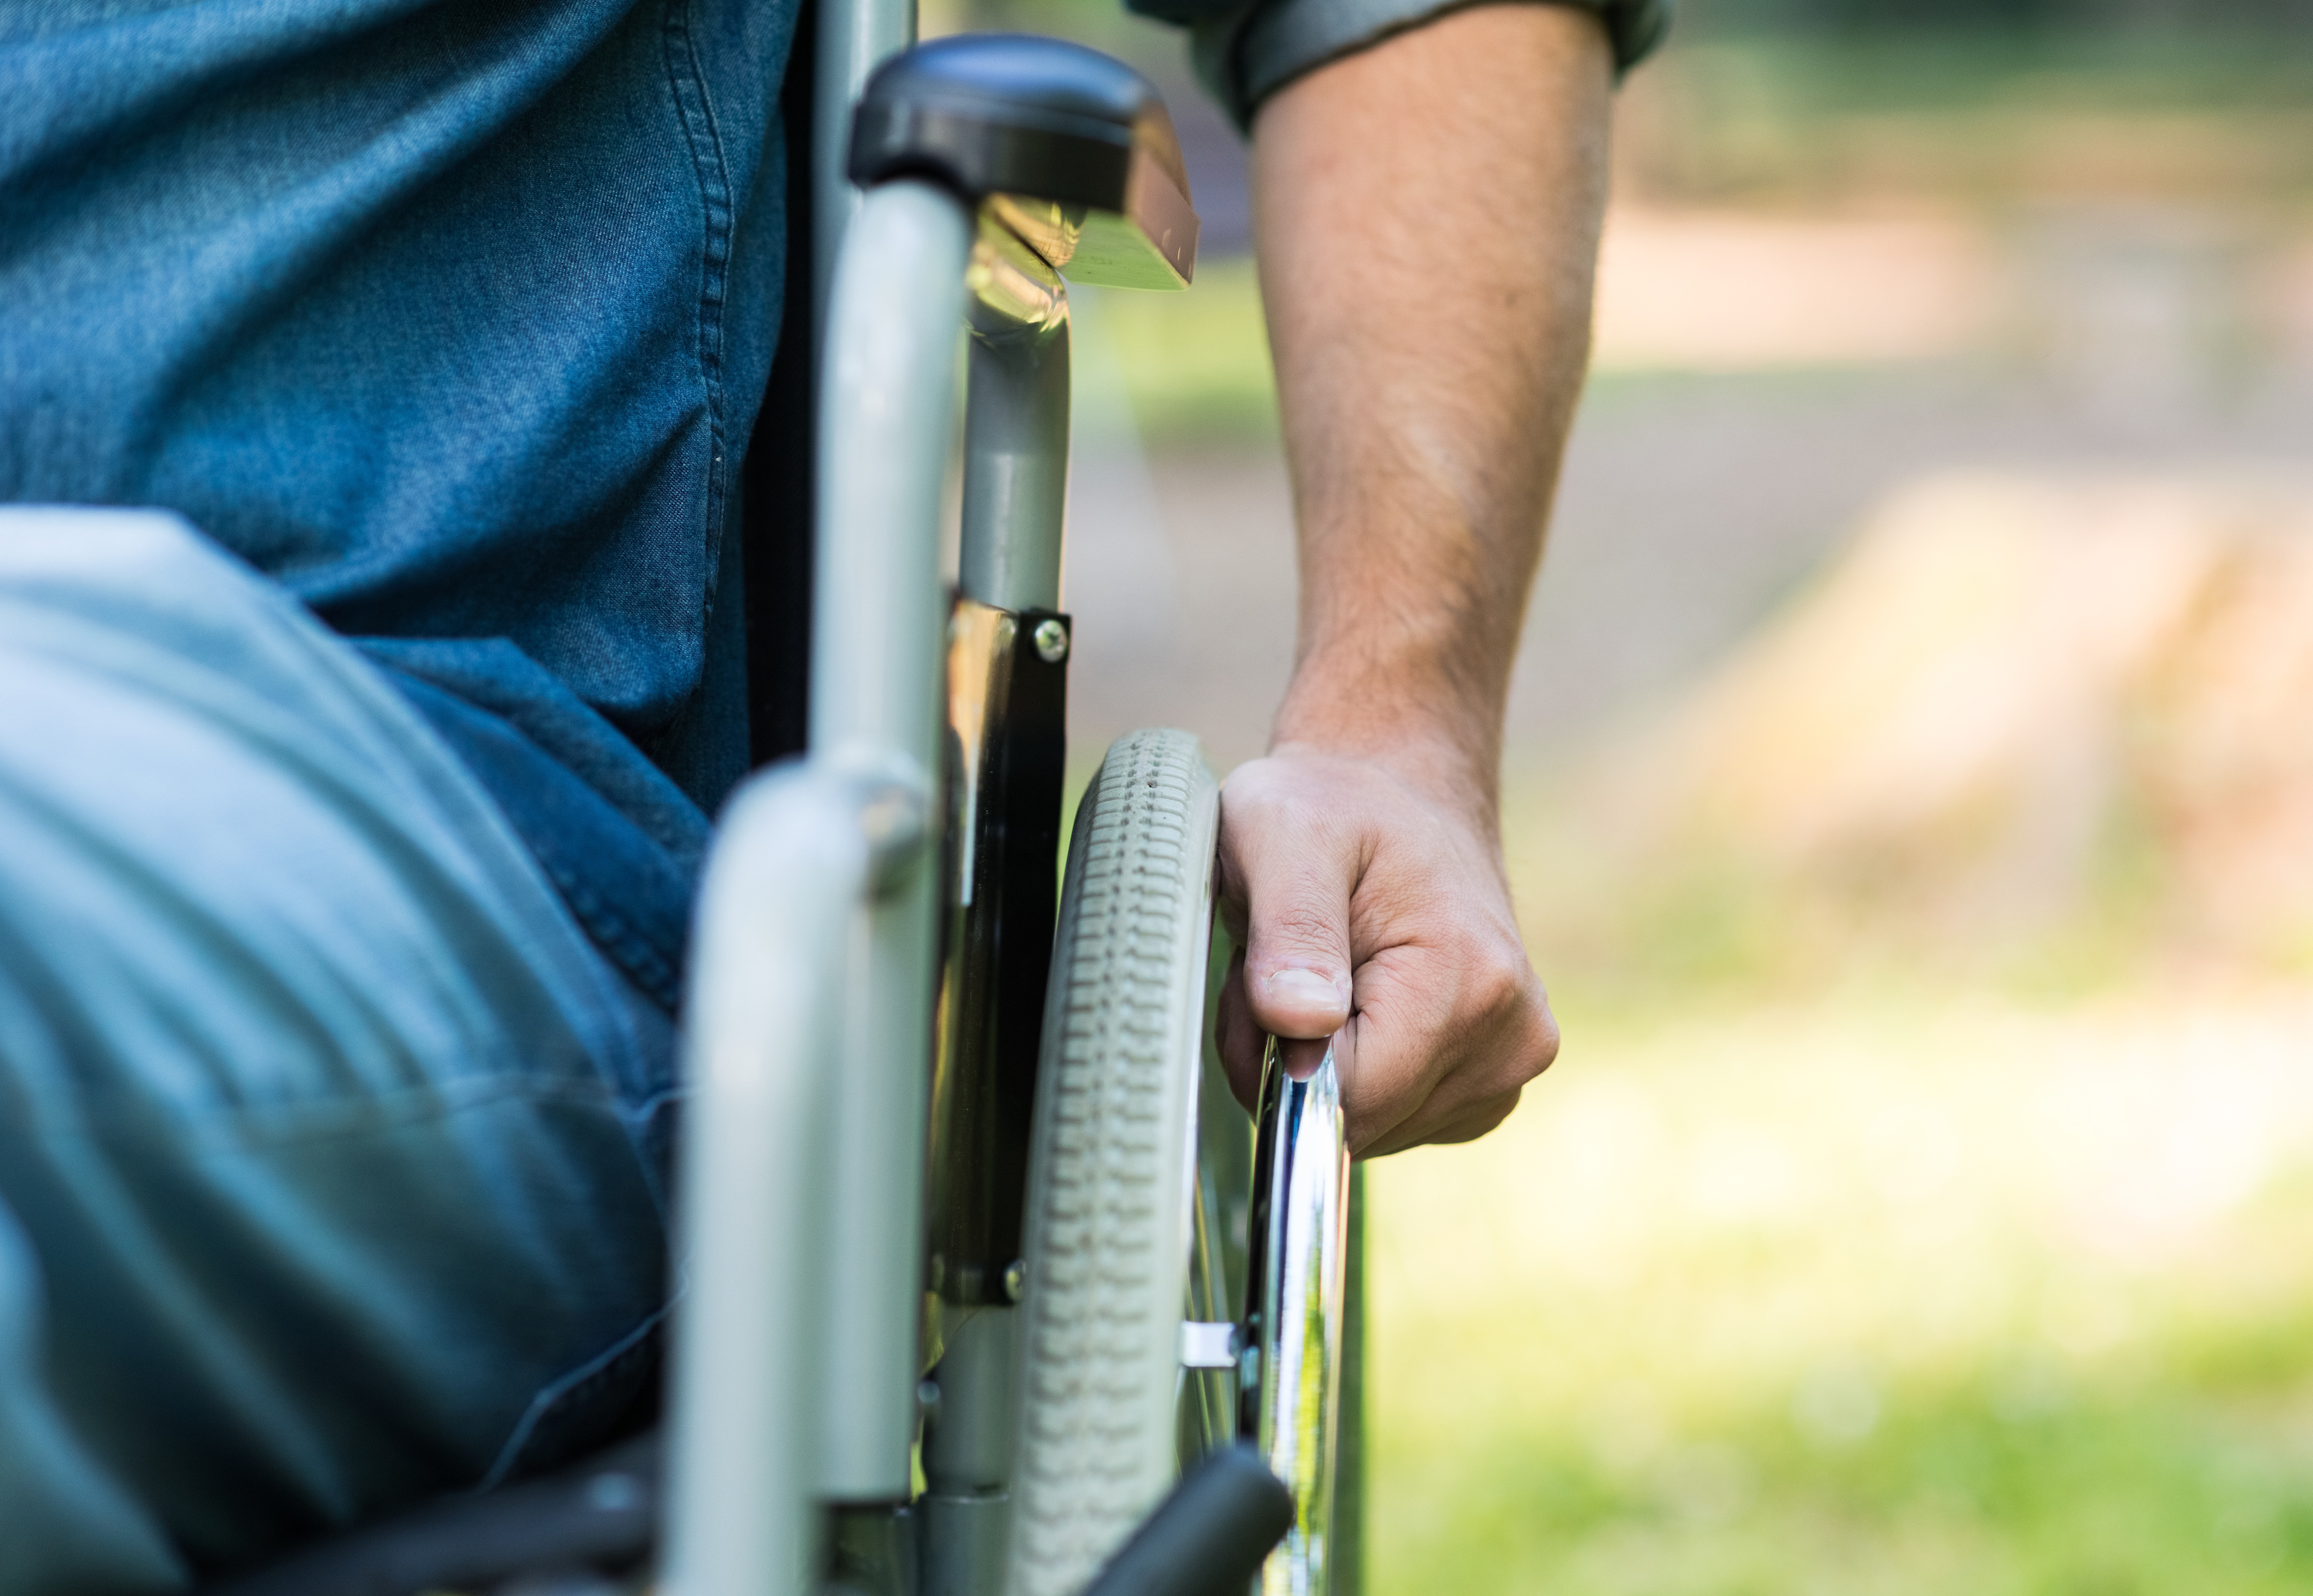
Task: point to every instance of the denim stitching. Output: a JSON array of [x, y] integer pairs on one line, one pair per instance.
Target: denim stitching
[[688, 80], [569, 1390], [229, 1127], [658, 974]]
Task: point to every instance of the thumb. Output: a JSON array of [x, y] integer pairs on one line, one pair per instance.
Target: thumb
[[1295, 882]]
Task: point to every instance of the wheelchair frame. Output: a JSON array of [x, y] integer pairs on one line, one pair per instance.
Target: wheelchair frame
[[909, 851], [800, 1343]]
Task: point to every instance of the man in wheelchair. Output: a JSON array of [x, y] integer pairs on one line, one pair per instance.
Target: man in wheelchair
[[375, 378]]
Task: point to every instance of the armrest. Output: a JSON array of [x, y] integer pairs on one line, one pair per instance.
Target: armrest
[[1069, 148]]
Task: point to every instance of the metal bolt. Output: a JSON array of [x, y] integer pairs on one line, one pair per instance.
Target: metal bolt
[[1015, 1273], [1051, 642]]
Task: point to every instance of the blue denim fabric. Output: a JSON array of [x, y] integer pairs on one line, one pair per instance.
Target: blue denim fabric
[[331, 1154], [453, 320]]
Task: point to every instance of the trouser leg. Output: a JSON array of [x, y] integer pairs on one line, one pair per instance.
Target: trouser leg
[[323, 1182]]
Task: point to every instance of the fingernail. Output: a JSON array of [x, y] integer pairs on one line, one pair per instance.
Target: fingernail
[[1307, 986]]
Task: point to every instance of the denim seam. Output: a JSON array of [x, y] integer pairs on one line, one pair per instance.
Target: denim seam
[[656, 972], [687, 78], [544, 1401], [356, 1113]]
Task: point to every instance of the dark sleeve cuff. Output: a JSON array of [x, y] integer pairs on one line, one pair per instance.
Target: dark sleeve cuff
[[1246, 50]]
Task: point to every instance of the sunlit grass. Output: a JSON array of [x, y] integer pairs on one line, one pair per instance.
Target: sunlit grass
[[1835, 1255], [1901, 1294]]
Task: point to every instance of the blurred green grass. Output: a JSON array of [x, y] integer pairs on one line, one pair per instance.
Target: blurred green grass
[[1905, 1293], [1837, 1255], [1195, 365]]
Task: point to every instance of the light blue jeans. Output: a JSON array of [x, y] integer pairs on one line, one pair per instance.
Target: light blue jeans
[[330, 1150]]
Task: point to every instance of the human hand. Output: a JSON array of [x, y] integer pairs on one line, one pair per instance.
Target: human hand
[[1370, 907]]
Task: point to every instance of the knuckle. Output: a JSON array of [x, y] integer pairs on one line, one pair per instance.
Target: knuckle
[[1500, 985], [1546, 1040], [1266, 806], [1300, 924], [1253, 792], [1534, 1040]]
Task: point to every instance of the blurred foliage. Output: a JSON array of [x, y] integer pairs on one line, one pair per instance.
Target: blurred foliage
[[1854, 1246], [2007, 20], [1988, 116], [1195, 365], [1896, 1294], [2011, 130], [1715, 926], [1992, 17], [2142, 1490], [2028, 732]]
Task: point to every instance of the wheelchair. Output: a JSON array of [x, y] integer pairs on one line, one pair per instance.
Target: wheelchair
[[986, 1284]]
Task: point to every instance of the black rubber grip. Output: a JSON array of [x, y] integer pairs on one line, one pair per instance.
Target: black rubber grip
[[1208, 1537]]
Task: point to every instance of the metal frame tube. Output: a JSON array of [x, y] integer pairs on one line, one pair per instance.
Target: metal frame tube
[[968, 1437], [1300, 1237], [809, 1032], [791, 860], [887, 404], [1015, 443], [854, 36], [887, 422], [1008, 686]]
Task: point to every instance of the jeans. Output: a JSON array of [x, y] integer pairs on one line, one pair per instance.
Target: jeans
[[346, 844], [331, 1152], [452, 319]]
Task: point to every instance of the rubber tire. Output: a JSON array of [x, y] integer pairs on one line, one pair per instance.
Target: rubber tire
[[1107, 1224]]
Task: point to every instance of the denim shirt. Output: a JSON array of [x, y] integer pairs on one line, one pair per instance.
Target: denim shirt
[[453, 320]]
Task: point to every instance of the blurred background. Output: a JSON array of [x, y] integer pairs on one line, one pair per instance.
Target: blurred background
[[1910, 804]]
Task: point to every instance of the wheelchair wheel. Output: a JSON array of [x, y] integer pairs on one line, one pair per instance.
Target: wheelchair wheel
[[1110, 1167]]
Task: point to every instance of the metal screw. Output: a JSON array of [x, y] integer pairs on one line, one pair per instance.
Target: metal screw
[[1015, 1273], [1051, 642]]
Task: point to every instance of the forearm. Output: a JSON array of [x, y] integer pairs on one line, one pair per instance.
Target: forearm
[[1428, 216]]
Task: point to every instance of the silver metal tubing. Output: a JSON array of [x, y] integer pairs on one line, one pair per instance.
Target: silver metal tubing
[[1015, 445], [1301, 1191], [887, 404], [854, 37], [1345, 1567], [887, 414], [968, 1433], [800, 850]]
